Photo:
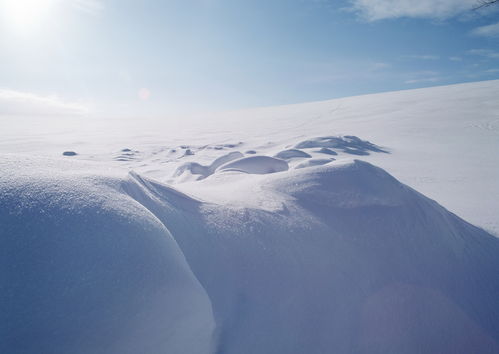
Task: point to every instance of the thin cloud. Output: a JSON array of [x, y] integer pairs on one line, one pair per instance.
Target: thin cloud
[[423, 76], [484, 53], [422, 57], [487, 31], [380, 66], [26, 103], [424, 79], [374, 10], [91, 7], [455, 59]]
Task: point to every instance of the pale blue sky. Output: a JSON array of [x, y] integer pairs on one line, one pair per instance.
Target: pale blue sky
[[129, 57]]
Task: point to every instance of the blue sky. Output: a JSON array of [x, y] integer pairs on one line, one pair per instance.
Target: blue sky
[[166, 57]]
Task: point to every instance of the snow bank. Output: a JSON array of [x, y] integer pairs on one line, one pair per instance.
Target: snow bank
[[352, 261], [85, 268]]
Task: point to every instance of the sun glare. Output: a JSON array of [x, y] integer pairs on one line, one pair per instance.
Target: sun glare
[[26, 15]]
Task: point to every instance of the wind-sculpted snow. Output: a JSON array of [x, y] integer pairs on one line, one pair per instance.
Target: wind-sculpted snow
[[84, 268], [256, 165], [291, 153], [313, 162], [348, 260], [201, 171], [349, 144]]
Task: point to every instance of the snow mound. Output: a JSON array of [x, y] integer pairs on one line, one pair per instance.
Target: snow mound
[[194, 168], [85, 268], [313, 162], [256, 165], [291, 153], [189, 169], [352, 261], [327, 151], [224, 159], [344, 184], [349, 144]]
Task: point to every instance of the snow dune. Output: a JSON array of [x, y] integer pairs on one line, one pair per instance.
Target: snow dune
[[348, 260]]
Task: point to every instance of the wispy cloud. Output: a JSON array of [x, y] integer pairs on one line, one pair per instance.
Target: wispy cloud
[[484, 53], [424, 79], [487, 31], [455, 59], [423, 76], [422, 57], [17, 103], [373, 10], [380, 66], [92, 7]]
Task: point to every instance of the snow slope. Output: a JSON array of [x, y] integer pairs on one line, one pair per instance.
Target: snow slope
[[264, 231], [443, 141]]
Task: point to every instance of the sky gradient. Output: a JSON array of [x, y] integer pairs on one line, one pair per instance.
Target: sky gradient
[[129, 58]]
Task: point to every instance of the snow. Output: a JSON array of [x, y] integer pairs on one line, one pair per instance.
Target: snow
[[256, 165], [85, 268], [291, 153], [313, 162], [240, 233]]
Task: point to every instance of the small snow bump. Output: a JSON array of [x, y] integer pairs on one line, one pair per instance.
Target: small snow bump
[[326, 151], [313, 162], [256, 165], [291, 153]]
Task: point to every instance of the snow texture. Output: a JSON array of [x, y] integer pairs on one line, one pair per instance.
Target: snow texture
[[173, 241], [351, 261]]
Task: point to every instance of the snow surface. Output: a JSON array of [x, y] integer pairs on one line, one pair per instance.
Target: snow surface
[[86, 268], [442, 141], [240, 233]]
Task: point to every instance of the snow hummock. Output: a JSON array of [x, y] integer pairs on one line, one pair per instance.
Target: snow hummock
[[313, 162], [291, 153], [256, 165]]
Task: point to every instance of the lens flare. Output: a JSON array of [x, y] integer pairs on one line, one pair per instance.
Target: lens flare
[[25, 15]]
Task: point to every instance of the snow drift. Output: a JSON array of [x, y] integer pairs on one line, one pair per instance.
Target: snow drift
[[84, 268], [338, 258]]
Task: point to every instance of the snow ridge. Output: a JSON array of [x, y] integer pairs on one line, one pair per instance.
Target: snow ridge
[[351, 244]]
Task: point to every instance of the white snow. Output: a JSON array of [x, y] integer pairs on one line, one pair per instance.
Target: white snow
[[240, 233], [291, 153], [86, 268], [256, 165]]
